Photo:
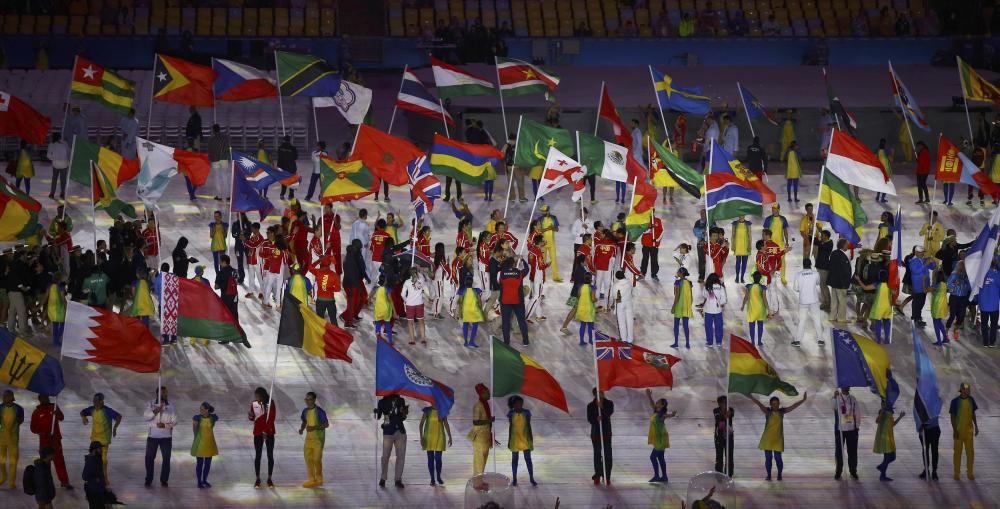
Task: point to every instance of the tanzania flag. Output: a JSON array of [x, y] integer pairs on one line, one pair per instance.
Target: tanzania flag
[[301, 327], [24, 366], [305, 75], [104, 195], [182, 82], [192, 309], [117, 169], [839, 206], [18, 213], [516, 373], [344, 181], [689, 179], [534, 140], [520, 78], [750, 374], [974, 86], [465, 162], [95, 83]]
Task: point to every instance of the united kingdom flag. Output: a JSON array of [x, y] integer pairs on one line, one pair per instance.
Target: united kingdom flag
[[424, 186], [615, 350]]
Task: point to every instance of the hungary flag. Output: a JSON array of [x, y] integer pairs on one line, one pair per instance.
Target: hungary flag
[[520, 78], [749, 373], [603, 157], [534, 140], [192, 309], [344, 181], [516, 373]]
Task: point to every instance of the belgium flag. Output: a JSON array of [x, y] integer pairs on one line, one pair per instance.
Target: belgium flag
[[301, 327]]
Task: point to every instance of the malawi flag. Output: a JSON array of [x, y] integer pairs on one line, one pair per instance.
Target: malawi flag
[[113, 165], [192, 309], [18, 214], [621, 364], [384, 154], [534, 140], [93, 82], [689, 179], [344, 181], [521, 78], [750, 374], [974, 86], [104, 337], [182, 82], [465, 162], [301, 327], [18, 118], [516, 373]]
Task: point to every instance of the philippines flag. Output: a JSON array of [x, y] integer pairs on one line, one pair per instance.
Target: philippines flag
[[395, 374], [895, 260], [424, 186], [979, 257], [414, 96], [238, 82], [261, 175]]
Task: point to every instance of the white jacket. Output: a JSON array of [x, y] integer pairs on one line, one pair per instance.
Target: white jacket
[[714, 300], [807, 286]]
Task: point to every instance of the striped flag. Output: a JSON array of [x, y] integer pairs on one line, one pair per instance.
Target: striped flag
[[93, 82], [305, 75], [839, 206], [905, 101], [452, 81], [521, 78], [414, 96], [240, 82]]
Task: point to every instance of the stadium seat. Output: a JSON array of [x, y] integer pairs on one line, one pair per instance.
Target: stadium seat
[[204, 21], [219, 21], [234, 25], [312, 22]]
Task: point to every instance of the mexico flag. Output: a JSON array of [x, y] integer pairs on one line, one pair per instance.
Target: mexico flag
[[521, 78], [104, 337]]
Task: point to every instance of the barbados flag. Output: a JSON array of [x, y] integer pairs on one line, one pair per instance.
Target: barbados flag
[[686, 100], [465, 162], [862, 362], [395, 374], [839, 206], [18, 213], [24, 366]]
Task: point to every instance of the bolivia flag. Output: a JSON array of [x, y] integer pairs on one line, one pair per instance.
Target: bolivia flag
[[192, 309], [18, 213], [301, 327], [344, 181], [840, 207], [750, 374], [116, 168], [465, 162], [514, 372]]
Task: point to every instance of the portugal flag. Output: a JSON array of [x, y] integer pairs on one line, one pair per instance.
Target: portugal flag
[[621, 364], [104, 337], [750, 374], [18, 118], [516, 373], [301, 327], [182, 82], [344, 181]]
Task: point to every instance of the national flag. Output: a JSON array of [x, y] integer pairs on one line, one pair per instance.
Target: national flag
[[606, 110], [93, 82], [246, 198], [905, 101], [689, 179], [160, 162], [467, 163], [352, 101], [750, 374], [517, 77], [621, 364], [240, 82], [260, 175], [686, 100], [305, 75], [561, 170], [753, 107], [424, 186], [861, 362], [117, 168], [603, 158], [981, 253], [25, 366], [18, 118], [395, 374], [301, 327], [638, 220], [452, 81], [949, 164], [182, 82], [344, 181], [974, 86], [845, 120], [724, 162], [102, 336], [839, 206], [896, 255], [969, 173], [645, 193], [535, 139], [728, 195], [516, 373], [856, 165], [414, 96], [926, 396], [384, 154], [105, 196], [192, 309], [18, 213]]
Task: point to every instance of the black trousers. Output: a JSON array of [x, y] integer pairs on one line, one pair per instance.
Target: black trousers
[[929, 441], [720, 451], [518, 311], [650, 255], [847, 439], [917, 306], [602, 468], [328, 308], [701, 260], [241, 253], [988, 326], [259, 442], [592, 184], [922, 192], [313, 180], [447, 188]]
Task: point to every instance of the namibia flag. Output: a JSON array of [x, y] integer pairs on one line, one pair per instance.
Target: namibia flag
[[344, 181]]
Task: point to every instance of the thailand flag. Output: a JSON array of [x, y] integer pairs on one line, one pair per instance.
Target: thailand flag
[[424, 186], [238, 82], [414, 96], [979, 257], [260, 175]]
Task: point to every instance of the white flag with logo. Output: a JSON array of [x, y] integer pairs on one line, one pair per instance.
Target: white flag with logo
[[352, 101]]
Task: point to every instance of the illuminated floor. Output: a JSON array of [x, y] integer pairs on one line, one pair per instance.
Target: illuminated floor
[[226, 377]]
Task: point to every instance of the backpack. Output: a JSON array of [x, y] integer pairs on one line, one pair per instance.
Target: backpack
[[28, 480], [231, 283]]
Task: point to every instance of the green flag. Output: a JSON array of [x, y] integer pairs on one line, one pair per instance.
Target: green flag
[[534, 140], [689, 179]]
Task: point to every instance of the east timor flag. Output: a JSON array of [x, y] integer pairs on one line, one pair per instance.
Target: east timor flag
[[516, 373], [749, 373], [182, 82], [344, 181], [301, 327], [24, 366]]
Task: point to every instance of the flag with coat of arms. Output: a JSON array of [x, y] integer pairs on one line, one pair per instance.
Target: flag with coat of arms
[[622, 364]]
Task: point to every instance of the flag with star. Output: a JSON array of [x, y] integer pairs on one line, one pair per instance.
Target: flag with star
[[753, 107], [93, 82], [182, 82], [520, 78], [685, 100], [535, 139], [344, 180]]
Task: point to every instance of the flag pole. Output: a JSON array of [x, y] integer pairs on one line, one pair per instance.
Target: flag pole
[[503, 111], [746, 112], [600, 102], [708, 218], [315, 120], [659, 107], [69, 92], [232, 195], [152, 87], [93, 206], [527, 230], [599, 403], [444, 118], [631, 206], [322, 227], [510, 172], [395, 106], [281, 104], [906, 118], [492, 448], [965, 101], [582, 218], [898, 227], [819, 195]]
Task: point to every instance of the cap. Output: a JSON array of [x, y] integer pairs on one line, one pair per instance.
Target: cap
[[964, 386]]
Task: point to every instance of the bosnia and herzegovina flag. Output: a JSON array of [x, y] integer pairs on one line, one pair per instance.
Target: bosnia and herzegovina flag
[[465, 162], [862, 362], [18, 213], [24, 366], [301, 327], [344, 180], [749, 373], [395, 374], [516, 373], [839, 206]]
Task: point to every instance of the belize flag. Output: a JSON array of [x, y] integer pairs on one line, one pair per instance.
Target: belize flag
[[261, 175], [395, 374], [414, 96], [239, 82]]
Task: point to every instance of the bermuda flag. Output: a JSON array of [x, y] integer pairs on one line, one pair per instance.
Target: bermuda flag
[[895, 261], [521, 78], [414, 96], [239, 82], [979, 257], [452, 81], [559, 171], [856, 165], [905, 101], [104, 337], [424, 186]]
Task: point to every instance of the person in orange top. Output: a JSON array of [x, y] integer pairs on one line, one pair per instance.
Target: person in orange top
[[537, 265], [379, 240], [327, 287], [331, 229], [254, 277], [605, 253], [628, 263]]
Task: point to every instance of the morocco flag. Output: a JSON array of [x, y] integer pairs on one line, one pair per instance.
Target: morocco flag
[[516, 373], [301, 327], [104, 337], [749, 373], [621, 364], [521, 78], [19, 119], [192, 309], [385, 155]]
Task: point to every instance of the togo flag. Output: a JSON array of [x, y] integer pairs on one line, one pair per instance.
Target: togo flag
[[602, 158]]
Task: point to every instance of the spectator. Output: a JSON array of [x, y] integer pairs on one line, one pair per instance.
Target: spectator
[[661, 27], [739, 26], [288, 156], [192, 131], [687, 26], [886, 23], [770, 27], [628, 30], [708, 20]]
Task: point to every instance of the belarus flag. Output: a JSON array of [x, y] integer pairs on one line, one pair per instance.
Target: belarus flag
[[104, 337], [853, 163], [238, 82]]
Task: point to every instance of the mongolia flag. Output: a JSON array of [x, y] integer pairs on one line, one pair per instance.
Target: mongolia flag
[[905, 101], [261, 175], [104, 337], [395, 374], [424, 186], [239, 82], [949, 163], [861, 362], [414, 96]]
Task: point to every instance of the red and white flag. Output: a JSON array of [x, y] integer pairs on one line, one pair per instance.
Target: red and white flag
[[104, 337], [856, 165], [559, 171], [606, 109], [18, 118]]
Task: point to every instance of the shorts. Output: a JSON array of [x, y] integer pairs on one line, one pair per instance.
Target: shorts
[[415, 312]]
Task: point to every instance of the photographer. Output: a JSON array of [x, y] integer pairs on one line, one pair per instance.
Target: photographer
[[392, 409]]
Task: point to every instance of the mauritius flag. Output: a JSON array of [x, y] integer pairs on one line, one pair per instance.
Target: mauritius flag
[[344, 181], [465, 162], [395, 374], [192, 309], [750, 374], [516, 373], [18, 213]]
